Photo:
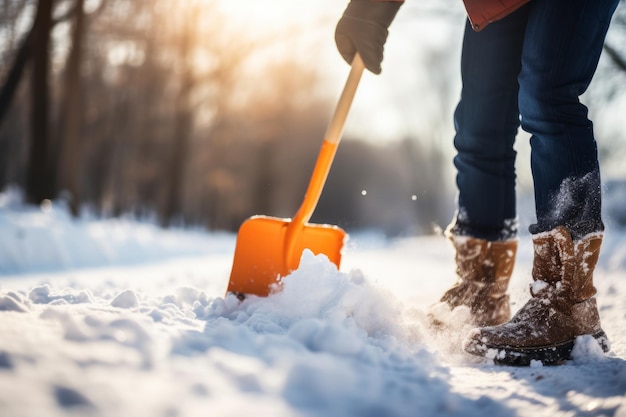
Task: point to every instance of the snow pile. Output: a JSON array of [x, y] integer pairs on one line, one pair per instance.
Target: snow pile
[[337, 341], [329, 344], [587, 350]]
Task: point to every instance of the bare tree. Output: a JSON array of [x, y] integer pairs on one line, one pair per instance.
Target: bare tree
[[617, 55], [183, 119], [71, 143], [39, 183], [14, 74]]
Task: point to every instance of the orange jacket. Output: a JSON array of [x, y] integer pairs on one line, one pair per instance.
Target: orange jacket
[[483, 12]]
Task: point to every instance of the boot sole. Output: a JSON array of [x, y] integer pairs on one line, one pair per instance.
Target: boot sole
[[548, 355]]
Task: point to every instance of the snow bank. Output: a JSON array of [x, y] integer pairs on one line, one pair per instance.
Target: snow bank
[[36, 239]]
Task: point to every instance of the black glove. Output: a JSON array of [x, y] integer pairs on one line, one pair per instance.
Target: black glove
[[363, 28]]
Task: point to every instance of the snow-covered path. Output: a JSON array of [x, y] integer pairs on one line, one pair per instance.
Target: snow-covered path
[[160, 339]]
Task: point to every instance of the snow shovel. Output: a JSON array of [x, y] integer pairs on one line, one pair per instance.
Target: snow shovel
[[269, 248]]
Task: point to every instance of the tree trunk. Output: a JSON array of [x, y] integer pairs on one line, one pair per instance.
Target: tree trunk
[[70, 174], [615, 56], [177, 166], [39, 182], [182, 126], [15, 74]]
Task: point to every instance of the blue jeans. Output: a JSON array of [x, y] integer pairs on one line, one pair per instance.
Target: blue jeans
[[530, 67]]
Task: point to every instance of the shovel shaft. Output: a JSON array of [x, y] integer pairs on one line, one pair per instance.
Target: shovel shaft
[[324, 162], [316, 184], [330, 144]]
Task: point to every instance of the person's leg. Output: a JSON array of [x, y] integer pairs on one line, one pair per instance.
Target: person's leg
[[484, 231], [563, 43], [561, 52], [486, 122]]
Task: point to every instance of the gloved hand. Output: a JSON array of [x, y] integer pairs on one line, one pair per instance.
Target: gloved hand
[[363, 28]]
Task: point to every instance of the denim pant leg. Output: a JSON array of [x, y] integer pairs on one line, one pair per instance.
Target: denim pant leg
[[562, 47], [486, 122]]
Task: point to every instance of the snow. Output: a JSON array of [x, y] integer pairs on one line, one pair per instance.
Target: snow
[[120, 318]]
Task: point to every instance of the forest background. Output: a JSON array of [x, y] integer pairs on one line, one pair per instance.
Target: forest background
[[205, 112]]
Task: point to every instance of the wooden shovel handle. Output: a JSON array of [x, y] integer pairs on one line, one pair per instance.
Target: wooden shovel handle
[[338, 120]]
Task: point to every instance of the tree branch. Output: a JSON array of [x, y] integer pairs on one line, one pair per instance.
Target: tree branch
[[617, 59], [15, 74]]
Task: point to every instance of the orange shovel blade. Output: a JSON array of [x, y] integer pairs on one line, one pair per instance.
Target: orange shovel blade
[[260, 253]]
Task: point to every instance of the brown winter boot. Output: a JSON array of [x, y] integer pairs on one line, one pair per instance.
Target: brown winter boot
[[562, 306], [484, 269]]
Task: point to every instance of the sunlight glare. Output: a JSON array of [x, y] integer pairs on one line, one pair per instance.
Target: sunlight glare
[[271, 15]]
